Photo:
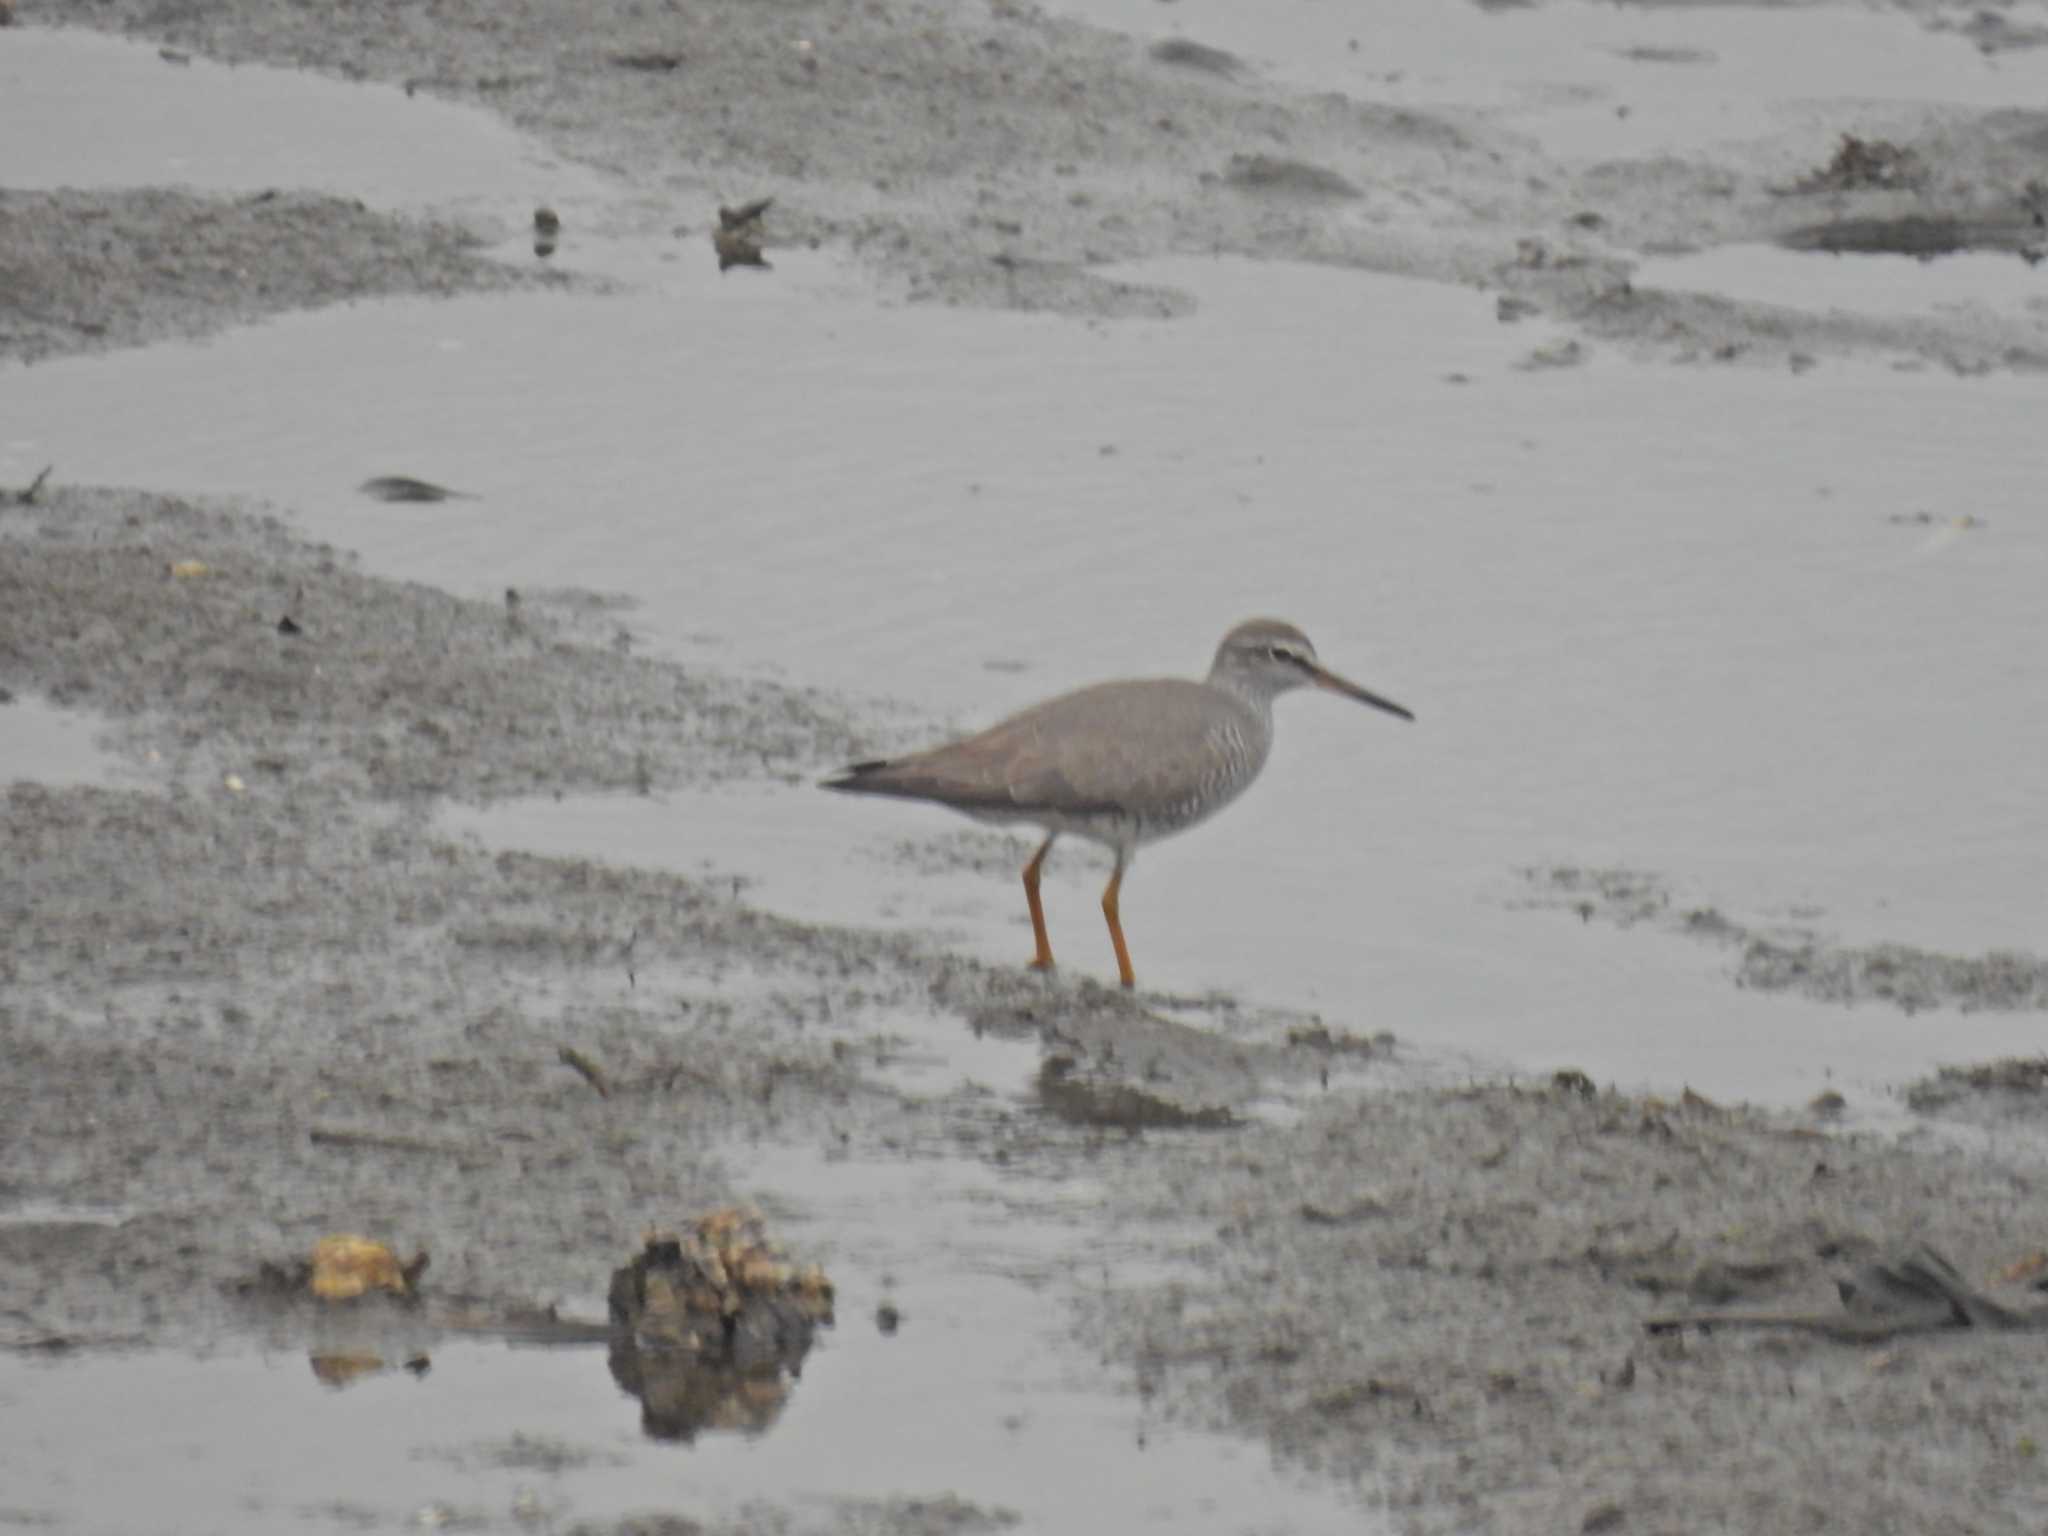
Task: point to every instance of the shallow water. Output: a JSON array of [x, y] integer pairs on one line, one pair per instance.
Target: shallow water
[[44, 743], [975, 1393], [81, 110]]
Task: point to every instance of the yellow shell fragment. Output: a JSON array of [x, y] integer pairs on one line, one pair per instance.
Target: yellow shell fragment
[[346, 1266], [185, 569]]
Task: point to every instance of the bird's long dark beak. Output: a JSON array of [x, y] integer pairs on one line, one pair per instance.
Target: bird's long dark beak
[[1351, 690]]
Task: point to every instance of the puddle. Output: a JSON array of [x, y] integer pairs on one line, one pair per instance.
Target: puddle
[[974, 1394], [1593, 82], [81, 110], [1998, 283], [41, 743]]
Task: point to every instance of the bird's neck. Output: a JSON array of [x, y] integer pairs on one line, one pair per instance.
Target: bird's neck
[[1246, 691]]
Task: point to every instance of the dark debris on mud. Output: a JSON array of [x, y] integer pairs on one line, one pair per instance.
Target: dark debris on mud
[[1862, 165]]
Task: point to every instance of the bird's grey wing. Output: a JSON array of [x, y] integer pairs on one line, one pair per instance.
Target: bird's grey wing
[[1166, 743], [1122, 747], [1117, 748], [1028, 762]]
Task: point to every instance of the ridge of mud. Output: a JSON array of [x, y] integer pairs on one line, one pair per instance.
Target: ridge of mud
[[1793, 958], [93, 270], [384, 688]]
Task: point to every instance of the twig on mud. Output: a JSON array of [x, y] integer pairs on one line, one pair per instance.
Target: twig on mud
[[341, 1136], [28, 497], [1920, 1292], [587, 1069], [1841, 1327]]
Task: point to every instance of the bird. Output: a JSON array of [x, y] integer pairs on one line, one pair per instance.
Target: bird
[[739, 236], [1121, 763]]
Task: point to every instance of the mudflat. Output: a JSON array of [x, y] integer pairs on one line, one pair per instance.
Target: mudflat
[[254, 993]]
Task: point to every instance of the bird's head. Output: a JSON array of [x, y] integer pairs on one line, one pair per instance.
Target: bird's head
[[1264, 658]]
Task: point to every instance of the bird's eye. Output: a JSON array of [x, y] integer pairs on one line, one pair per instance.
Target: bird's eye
[[1280, 653]]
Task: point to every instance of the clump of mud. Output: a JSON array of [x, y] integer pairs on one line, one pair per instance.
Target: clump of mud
[[1185, 53], [722, 1292], [1278, 176], [1865, 164], [1109, 1103], [711, 1326]]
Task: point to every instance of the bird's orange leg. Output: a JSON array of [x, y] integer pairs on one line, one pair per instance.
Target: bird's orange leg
[[1043, 960], [1116, 927]]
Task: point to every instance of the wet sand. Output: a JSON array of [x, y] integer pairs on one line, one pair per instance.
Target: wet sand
[[253, 993]]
